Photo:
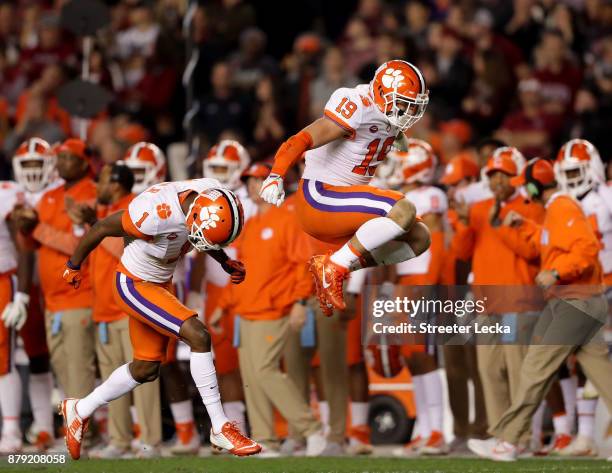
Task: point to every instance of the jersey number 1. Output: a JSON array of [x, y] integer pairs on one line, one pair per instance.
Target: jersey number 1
[[365, 169]]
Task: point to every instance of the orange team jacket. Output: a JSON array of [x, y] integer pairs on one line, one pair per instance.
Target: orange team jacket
[[568, 244], [275, 251], [55, 234], [498, 256], [104, 260]]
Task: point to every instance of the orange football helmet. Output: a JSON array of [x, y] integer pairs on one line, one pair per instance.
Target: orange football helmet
[[214, 219], [385, 360], [578, 167], [400, 93], [418, 164], [34, 164], [225, 162], [148, 164]]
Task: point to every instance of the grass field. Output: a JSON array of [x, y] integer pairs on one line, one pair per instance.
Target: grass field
[[316, 465]]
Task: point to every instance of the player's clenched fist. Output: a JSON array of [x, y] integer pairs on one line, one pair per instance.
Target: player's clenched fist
[[272, 190], [235, 269], [72, 275]]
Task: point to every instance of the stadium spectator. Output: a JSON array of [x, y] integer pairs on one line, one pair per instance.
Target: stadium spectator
[[269, 129], [139, 39], [251, 63]]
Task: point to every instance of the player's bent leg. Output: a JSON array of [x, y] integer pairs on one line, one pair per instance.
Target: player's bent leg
[[223, 434]]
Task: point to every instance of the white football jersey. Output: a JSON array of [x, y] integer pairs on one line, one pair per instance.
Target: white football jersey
[[11, 194], [427, 200], [598, 204], [157, 212], [352, 160]]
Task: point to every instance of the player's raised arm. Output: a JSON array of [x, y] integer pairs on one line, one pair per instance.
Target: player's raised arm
[[111, 226], [318, 133]]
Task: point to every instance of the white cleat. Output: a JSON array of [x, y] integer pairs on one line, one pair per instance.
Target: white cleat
[[231, 439], [109, 452], [187, 447], [11, 443], [581, 446], [316, 444], [493, 449], [411, 449], [435, 445], [74, 427]]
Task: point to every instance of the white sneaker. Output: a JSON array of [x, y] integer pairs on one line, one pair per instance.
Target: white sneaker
[[581, 446], [267, 452], [147, 451], [315, 444], [11, 443], [292, 447], [109, 452], [494, 449]]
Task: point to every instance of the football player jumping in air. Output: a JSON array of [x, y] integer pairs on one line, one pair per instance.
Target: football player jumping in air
[[160, 226], [343, 148]]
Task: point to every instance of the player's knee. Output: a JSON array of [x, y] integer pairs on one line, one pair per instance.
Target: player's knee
[[403, 213], [144, 371], [196, 335], [419, 238], [39, 364]]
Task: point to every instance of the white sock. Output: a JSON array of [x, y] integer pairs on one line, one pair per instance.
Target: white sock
[[324, 415], [359, 413], [561, 425], [536, 423], [182, 412], [40, 388], [422, 410], [433, 393], [586, 415], [205, 377], [371, 235], [569, 387], [235, 413], [116, 385], [134, 414], [10, 403]]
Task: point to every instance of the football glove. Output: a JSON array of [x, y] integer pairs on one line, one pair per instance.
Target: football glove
[[16, 312], [72, 275], [235, 269], [272, 190]]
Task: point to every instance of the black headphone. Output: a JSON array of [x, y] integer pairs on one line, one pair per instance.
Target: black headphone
[[532, 185]]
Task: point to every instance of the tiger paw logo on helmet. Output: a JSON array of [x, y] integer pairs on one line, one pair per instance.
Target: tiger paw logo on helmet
[[392, 78], [209, 217], [164, 211]]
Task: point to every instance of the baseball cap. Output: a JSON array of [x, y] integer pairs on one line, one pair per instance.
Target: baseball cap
[[256, 170], [501, 162], [538, 170], [75, 147], [458, 168]]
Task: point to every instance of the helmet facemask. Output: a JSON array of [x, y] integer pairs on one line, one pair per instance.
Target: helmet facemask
[[224, 171], [33, 171], [403, 112], [145, 175], [575, 178]]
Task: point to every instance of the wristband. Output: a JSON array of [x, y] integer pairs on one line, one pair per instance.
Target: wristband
[[72, 266]]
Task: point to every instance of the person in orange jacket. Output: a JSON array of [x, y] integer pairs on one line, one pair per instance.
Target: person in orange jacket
[[571, 276], [57, 227]]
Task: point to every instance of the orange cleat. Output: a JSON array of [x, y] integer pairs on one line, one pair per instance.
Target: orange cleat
[[74, 427], [328, 278], [231, 439]]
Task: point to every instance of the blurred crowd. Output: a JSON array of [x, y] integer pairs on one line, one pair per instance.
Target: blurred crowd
[[530, 74]]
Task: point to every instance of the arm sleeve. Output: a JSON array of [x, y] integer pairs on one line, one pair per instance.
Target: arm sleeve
[[140, 220], [345, 109]]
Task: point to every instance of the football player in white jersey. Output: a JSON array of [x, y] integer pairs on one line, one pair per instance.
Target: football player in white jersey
[[581, 173], [33, 167], [160, 226], [148, 163], [334, 202]]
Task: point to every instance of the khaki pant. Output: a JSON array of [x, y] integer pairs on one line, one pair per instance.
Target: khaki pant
[[265, 386], [500, 370], [71, 341], [116, 352], [331, 345], [542, 361], [460, 365]]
